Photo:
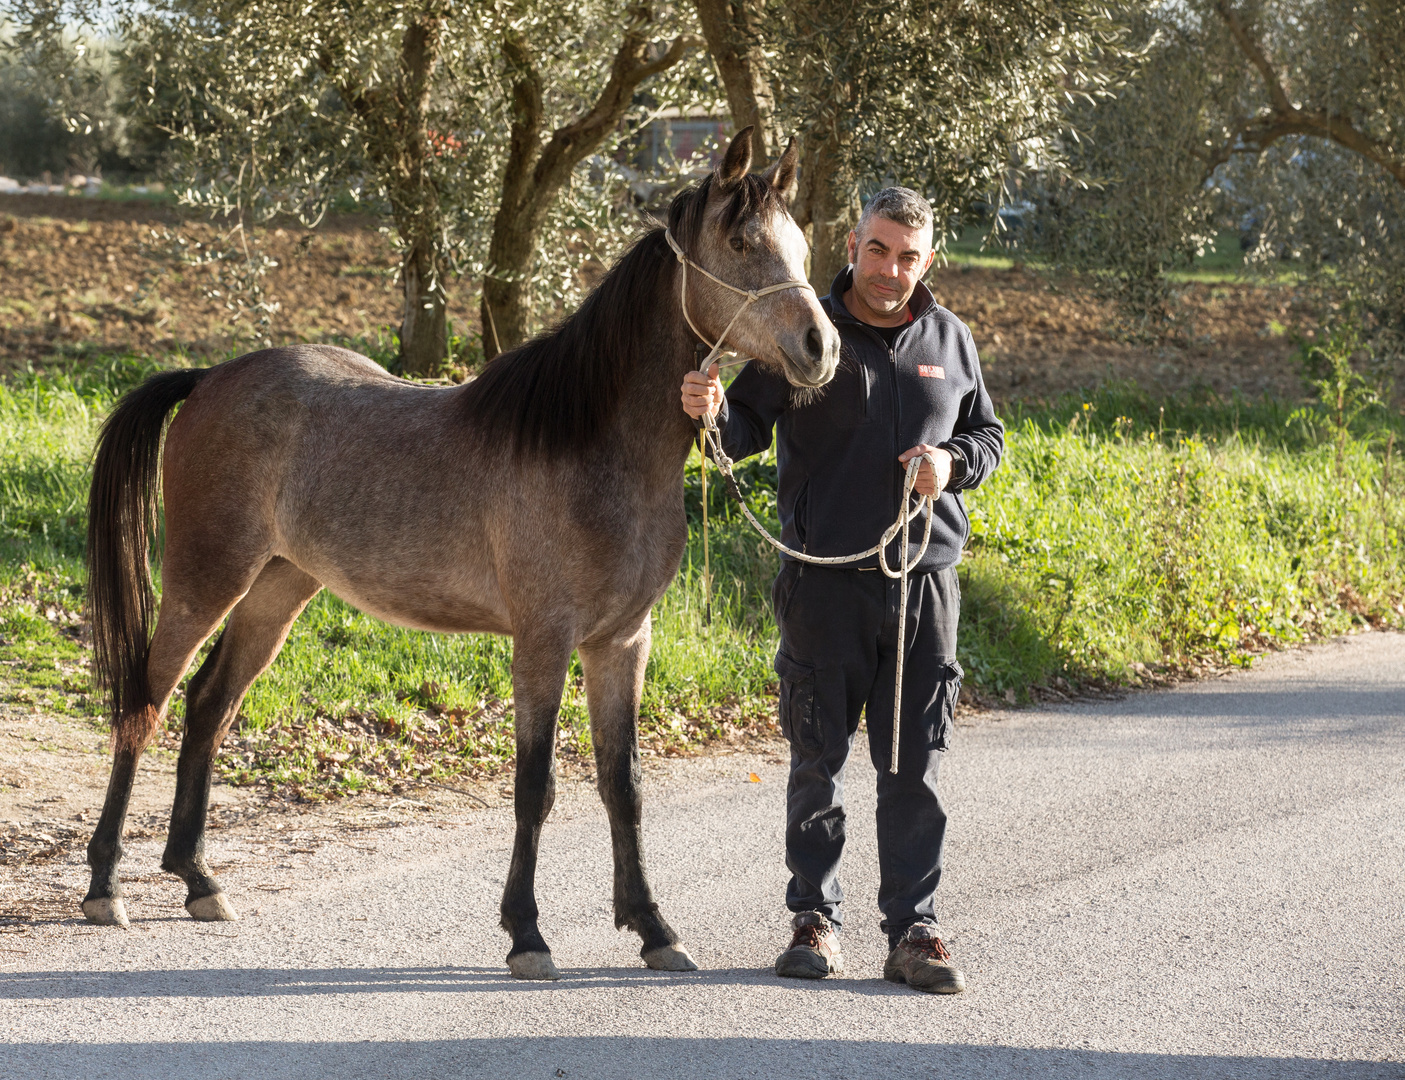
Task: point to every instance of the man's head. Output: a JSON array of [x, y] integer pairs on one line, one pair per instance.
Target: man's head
[[890, 249]]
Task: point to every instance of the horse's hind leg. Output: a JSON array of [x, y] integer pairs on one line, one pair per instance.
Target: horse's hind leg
[[257, 629], [188, 617], [538, 678], [614, 680]]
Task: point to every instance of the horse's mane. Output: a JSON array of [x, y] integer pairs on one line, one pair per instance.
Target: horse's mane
[[556, 394]]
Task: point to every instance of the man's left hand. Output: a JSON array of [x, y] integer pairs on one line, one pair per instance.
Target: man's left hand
[[927, 483]]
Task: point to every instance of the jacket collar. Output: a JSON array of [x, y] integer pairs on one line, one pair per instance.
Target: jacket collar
[[921, 303]]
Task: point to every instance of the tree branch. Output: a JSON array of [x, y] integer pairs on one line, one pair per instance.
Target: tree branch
[[1283, 118], [524, 138], [573, 142], [734, 43], [1250, 48]]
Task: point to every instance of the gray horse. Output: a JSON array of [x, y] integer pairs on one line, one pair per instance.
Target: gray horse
[[542, 500]]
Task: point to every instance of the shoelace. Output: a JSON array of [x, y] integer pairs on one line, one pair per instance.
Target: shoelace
[[809, 935], [929, 947]]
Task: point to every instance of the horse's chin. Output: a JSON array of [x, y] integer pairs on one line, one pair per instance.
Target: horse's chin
[[807, 376]]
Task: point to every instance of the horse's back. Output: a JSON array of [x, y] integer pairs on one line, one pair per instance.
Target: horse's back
[[363, 480]]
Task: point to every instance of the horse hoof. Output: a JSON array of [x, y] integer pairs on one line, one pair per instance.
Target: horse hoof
[[212, 908], [669, 958], [106, 911], [533, 965]]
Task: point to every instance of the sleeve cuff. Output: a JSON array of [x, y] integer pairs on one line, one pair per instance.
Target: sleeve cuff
[[959, 468]]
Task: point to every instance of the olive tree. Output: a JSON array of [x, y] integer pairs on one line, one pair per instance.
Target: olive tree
[[472, 126], [1285, 116], [559, 109], [952, 97], [277, 106]]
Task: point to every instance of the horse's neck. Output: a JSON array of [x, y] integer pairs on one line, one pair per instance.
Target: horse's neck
[[652, 430]]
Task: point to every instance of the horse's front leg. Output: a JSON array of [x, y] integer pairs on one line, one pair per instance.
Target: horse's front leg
[[538, 678], [614, 680]]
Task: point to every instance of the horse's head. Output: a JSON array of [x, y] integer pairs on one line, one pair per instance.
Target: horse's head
[[737, 227]]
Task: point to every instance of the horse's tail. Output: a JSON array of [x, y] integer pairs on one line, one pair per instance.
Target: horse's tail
[[121, 522]]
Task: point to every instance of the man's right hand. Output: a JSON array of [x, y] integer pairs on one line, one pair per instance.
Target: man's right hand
[[702, 393]]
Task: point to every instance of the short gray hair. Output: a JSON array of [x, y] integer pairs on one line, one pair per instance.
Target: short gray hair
[[899, 204]]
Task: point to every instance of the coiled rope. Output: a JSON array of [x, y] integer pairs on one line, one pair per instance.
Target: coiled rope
[[724, 466]]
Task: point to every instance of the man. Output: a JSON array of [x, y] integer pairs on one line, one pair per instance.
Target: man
[[909, 382]]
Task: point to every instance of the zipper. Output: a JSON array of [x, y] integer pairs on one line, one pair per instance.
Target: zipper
[[867, 376], [897, 416], [897, 428]]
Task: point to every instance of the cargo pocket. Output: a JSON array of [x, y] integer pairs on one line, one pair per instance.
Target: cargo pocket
[[945, 718], [797, 703]]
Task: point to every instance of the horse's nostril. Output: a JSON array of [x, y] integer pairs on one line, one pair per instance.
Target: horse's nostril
[[814, 345]]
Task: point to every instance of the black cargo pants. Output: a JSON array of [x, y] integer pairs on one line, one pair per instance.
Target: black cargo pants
[[837, 660]]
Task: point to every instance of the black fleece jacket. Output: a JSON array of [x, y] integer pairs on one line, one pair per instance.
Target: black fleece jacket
[[837, 453]]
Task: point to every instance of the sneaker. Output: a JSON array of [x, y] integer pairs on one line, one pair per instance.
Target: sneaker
[[814, 951], [921, 960]]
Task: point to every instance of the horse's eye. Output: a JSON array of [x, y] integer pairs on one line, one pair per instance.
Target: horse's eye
[[738, 244]]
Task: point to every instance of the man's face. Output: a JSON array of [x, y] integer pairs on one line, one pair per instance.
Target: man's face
[[889, 260]]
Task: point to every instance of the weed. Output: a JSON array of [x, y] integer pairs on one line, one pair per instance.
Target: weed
[[1120, 535]]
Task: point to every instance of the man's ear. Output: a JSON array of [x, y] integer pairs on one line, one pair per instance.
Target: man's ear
[[853, 245], [738, 160], [783, 175]]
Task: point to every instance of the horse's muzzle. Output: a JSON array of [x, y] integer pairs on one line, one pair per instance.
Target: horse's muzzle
[[818, 356]]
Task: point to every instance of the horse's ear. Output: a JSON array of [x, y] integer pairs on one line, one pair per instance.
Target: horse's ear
[[783, 175], [738, 160]]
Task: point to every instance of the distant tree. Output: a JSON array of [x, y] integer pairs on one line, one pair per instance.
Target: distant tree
[[79, 125], [952, 97], [472, 125], [1284, 116], [1332, 69]]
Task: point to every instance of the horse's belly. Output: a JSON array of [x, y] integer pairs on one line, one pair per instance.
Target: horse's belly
[[418, 603], [459, 618]]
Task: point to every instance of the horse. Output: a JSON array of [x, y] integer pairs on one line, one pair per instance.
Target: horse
[[542, 500]]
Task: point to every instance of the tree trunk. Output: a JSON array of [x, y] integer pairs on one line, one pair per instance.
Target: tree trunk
[[735, 44], [825, 210], [536, 172], [504, 310], [393, 118], [822, 206], [424, 342]]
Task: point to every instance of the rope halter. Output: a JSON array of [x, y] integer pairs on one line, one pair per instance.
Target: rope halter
[[750, 296]]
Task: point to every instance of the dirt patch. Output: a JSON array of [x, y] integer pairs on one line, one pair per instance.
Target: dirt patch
[[53, 777], [117, 277], [1040, 338], [90, 273]]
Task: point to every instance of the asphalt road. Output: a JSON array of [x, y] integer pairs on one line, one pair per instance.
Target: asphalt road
[[1202, 882]]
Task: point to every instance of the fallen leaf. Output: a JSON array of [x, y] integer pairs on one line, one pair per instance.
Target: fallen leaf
[[753, 778]]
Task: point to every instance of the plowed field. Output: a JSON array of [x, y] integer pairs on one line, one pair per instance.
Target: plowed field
[[79, 272]]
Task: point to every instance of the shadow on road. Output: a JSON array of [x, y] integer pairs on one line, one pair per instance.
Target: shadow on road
[[295, 982], [607, 1057]]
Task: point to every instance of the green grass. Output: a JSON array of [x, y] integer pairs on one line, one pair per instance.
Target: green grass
[[1222, 263], [1121, 538]]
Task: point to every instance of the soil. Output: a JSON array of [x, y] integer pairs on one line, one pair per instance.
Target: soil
[[53, 776], [91, 274], [1042, 338]]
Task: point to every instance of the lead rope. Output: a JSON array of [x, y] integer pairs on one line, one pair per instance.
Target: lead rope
[[724, 466]]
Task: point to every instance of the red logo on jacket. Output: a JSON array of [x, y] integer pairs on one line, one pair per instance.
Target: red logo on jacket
[[931, 371]]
